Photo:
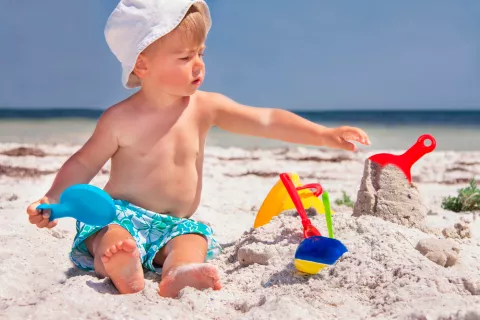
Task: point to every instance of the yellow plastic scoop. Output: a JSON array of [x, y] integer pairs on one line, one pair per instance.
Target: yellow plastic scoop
[[278, 201]]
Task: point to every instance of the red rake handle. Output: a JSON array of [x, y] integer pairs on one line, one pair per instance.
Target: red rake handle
[[408, 159], [418, 150], [316, 186], [309, 229]]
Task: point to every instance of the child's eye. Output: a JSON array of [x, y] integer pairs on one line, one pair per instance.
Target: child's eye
[[185, 58]]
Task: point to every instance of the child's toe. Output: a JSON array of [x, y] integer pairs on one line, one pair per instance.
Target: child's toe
[[129, 245], [108, 253]]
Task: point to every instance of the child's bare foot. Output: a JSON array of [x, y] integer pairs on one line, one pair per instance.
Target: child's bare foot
[[199, 276], [123, 267]]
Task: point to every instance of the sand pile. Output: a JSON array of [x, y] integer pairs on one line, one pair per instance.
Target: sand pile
[[382, 275], [386, 193]]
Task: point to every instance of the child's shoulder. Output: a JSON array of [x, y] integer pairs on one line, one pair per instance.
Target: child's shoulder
[[118, 110], [212, 99], [210, 104], [116, 115]]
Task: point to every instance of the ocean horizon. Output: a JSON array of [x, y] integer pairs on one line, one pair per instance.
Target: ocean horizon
[[388, 129], [441, 117]]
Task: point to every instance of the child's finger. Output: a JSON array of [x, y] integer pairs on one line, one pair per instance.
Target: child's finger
[[32, 209], [351, 135], [52, 224], [356, 134], [364, 136], [43, 223], [35, 219], [46, 213], [346, 145]]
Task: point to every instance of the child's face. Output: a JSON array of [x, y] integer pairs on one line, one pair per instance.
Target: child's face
[[175, 64]]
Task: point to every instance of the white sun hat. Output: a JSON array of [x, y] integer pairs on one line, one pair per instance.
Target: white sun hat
[[135, 24]]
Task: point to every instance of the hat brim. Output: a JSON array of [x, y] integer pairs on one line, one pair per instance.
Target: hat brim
[[129, 79]]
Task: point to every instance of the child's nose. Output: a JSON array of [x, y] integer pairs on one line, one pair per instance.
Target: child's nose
[[198, 67]]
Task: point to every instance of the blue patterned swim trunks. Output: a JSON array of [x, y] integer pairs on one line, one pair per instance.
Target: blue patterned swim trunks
[[150, 230]]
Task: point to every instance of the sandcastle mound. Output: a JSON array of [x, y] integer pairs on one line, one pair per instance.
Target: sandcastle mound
[[386, 193]]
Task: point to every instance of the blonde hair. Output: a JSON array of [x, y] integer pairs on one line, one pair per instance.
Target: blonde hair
[[193, 27]]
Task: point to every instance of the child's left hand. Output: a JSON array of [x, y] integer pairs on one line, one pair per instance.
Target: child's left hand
[[340, 138]]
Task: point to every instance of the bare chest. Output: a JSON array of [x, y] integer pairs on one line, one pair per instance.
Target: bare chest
[[155, 140]]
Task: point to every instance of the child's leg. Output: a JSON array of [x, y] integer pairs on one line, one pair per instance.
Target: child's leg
[[116, 256], [183, 261]]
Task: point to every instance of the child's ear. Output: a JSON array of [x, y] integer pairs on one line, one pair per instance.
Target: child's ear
[[140, 69]]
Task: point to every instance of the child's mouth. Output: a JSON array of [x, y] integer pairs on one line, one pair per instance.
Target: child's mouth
[[197, 82]]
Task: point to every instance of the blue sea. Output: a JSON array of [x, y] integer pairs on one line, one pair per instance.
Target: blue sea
[[453, 130]]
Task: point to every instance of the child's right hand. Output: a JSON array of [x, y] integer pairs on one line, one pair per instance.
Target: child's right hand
[[340, 137], [40, 218]]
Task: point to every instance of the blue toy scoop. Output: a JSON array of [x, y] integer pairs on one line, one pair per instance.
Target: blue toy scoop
[[85, 203], [320, 249]]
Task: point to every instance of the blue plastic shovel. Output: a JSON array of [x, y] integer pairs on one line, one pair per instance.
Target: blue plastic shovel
[[315, 251], [85, 203]]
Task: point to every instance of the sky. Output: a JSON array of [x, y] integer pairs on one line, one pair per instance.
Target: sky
[[297, 55]]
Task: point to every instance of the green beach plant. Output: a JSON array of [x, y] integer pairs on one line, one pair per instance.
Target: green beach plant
[[468, 199], [344, 201]]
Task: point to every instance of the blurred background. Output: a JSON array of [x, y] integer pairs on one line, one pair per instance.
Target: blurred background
[[398, 69]]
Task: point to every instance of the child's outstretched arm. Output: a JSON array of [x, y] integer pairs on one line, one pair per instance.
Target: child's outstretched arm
[[81, 167], [281, 125]]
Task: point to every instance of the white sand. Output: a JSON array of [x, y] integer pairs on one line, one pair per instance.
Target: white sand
[[382, 276]]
